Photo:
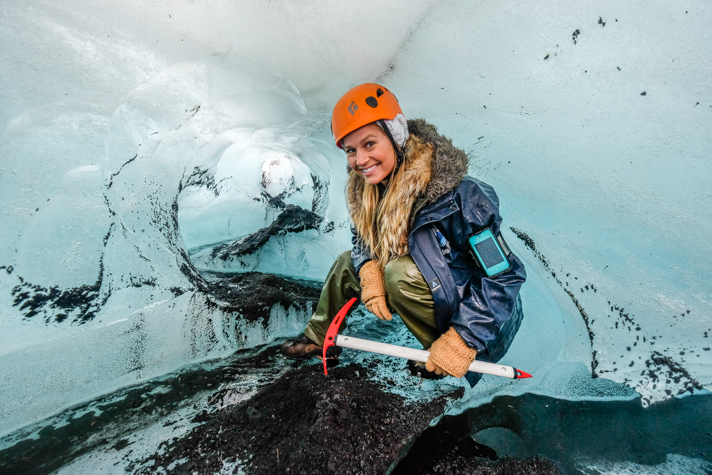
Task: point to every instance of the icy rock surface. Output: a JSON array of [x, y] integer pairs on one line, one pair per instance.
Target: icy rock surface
[[142, 144]]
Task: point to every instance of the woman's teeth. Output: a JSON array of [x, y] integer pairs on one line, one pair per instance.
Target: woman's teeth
[[369, 169]]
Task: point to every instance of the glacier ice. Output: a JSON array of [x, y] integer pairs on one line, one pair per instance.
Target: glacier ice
[[144, 143], [123, 274]]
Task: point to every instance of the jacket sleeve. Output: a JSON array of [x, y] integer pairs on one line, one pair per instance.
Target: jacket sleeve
[[488, 303], [360, 252]]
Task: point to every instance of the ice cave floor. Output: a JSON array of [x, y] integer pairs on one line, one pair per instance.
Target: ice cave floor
[[256, 412]]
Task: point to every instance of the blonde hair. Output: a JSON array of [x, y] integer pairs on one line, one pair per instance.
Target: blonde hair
[[383, 222], [366, 218]]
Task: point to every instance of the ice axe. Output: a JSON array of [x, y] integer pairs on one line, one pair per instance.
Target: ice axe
[[334, 339]]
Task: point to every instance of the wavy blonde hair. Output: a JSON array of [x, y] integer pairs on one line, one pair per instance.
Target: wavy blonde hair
[[367, 217], [384, 223]]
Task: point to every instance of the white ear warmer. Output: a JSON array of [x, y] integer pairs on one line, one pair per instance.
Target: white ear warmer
[[398, 127]]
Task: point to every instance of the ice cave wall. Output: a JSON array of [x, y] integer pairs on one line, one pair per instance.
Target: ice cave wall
[[134, 135]]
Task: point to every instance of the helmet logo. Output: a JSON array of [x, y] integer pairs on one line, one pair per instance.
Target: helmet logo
[[371, 101], [353, 107]]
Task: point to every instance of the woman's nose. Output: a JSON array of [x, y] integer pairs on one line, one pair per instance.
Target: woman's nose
[[361, 158]]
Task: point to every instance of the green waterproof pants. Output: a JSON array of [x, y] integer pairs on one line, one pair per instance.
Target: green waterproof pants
[[408, 295]]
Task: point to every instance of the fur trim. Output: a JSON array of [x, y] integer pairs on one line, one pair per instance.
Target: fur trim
[[432, 166], [449, 162]]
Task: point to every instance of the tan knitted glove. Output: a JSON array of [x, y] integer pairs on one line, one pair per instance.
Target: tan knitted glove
[[450, 356], [373, 290]]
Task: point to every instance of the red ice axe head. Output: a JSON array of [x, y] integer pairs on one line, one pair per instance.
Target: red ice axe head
[[330, 339]]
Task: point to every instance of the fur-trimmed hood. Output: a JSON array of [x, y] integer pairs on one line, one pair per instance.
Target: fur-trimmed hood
[[449, 162], [432, 166]]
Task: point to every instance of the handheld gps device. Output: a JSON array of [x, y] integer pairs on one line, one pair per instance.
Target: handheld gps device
[[490, 252]]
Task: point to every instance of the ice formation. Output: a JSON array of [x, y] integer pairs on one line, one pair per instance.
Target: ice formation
[[142, 144]]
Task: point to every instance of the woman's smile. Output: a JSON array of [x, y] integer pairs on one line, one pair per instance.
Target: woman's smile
[[370, 153], [367, 171]]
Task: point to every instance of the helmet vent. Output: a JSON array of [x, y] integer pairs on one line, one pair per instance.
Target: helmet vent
[[379, 92], [371, 101]]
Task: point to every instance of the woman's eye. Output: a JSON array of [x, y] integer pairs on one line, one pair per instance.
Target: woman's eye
[[370, 144]]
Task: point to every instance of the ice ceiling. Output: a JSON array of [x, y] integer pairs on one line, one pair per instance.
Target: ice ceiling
[[144, 142]]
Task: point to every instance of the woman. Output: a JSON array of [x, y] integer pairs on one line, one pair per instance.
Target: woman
[[413, 210]]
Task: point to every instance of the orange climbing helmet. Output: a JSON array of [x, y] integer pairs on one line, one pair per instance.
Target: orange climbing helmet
[[360, 106]]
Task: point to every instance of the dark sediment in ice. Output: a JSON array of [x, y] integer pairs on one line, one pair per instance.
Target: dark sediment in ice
[[253, 294], [473, 466], [346, 423], [656, 369], [111, 421], [78, 304], [291, 219], [306, 423]]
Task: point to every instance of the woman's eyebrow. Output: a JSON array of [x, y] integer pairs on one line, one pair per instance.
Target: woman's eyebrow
[[369, 136]]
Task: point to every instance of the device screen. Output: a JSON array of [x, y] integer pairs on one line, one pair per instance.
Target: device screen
[[489, 253]]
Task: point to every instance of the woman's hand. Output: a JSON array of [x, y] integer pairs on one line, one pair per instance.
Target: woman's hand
[[450, 356], [373, 290]]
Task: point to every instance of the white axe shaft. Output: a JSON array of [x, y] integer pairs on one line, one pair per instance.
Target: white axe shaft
[[418, 355]]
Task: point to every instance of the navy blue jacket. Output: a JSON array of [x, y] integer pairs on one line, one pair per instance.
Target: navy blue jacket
[[486, 312]]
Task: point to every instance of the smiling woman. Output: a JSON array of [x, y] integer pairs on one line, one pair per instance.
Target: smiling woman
[[370, 153], [413, 210]]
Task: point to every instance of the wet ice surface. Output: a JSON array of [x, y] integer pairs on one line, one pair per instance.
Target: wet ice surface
[[116, 431], [122, 431], [606, 432], [588, 437]]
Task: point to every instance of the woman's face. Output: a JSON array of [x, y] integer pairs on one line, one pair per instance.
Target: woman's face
[[370, 153]]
